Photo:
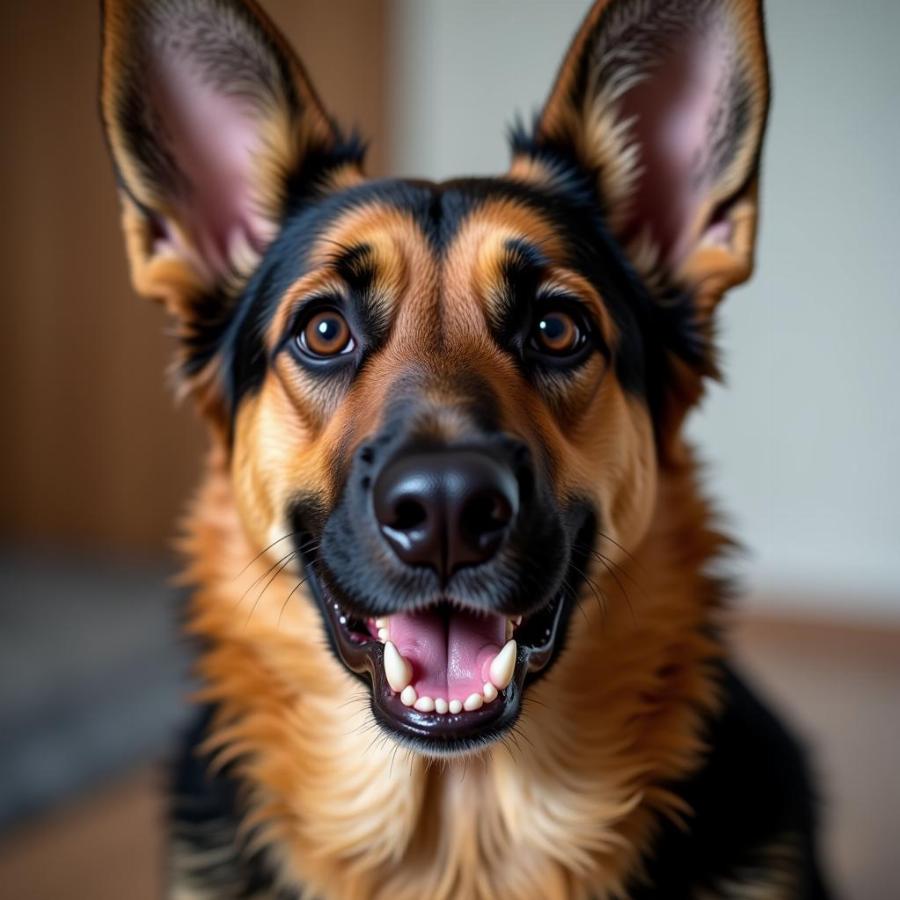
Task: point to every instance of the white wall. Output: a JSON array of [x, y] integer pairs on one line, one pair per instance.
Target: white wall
[[804, 442]]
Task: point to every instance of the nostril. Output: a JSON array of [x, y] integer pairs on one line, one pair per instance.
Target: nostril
[[486, 514], [525, 481], [445, 509], [367, 454], [482, 525], [521, 453], [408, 515]]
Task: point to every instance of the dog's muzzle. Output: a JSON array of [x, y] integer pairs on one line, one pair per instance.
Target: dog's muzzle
[[444, 574]]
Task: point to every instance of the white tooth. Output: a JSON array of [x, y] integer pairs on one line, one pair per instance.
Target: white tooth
[[490, 692], [441, 705], [510, 628], [383, 634], [517, 621], [397, 670], [424, 704], [408, 695], [473, 701], [503, 666], [381, 622], [455, 707]]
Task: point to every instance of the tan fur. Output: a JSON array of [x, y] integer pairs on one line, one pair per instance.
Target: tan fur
[[564, 807], [567, 805], [573, 797]]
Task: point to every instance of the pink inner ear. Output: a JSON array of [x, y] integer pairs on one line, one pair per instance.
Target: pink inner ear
[[680, 110], [214, 138]]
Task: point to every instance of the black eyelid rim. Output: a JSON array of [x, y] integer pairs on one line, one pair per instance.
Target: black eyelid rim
[[304, 308], [569, 302]]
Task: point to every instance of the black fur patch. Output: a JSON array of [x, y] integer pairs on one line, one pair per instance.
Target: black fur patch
[[650, 327], [210, 852], [753, 792]]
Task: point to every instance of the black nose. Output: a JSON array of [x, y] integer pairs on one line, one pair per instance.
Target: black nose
[[445, 509]]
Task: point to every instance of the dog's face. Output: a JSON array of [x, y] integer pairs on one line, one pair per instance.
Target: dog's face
[[451, 400], [438, 389]]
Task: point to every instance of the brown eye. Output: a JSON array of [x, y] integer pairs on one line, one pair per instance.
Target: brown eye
[[326, 334], [558, 333]]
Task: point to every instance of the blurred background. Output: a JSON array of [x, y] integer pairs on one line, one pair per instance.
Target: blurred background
[[97, 461]]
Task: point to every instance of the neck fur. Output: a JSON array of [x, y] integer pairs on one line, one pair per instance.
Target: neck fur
[[565, 807]]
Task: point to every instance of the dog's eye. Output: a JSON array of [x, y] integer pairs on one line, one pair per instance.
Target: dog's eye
[[558, 333], [326, 334]]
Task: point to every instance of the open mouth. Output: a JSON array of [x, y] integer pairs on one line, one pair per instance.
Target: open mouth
[[447, 678]]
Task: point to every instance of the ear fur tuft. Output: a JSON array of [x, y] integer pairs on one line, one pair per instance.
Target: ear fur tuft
[[663, 104], [215, 133]]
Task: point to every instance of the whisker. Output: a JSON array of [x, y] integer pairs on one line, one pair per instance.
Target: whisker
[[625, 573], [372, 744], [353, 699], [293, 590], [284, 537], [257, 580], [364, 727], [275, 574], [529, 699], [625, 594], [600, 597], [615, 543], [393, 757], [520, 733]]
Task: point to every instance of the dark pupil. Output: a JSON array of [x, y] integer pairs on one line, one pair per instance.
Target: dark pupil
[[329, 330], [553, 328]]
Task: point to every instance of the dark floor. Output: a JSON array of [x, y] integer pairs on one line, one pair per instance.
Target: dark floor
[[92, 675]]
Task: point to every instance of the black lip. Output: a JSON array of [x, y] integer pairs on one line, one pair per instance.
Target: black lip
[[447, 734]]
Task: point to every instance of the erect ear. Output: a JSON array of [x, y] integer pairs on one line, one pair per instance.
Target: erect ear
[[214, 128], [664, 103]]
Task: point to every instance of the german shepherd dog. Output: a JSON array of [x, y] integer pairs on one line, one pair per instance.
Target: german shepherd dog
[[453, 581]]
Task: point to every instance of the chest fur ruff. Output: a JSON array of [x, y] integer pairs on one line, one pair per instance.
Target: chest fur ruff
[[566, 806]]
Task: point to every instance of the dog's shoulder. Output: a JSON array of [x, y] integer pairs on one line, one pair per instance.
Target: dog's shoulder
[[209, 853], [752, 828]]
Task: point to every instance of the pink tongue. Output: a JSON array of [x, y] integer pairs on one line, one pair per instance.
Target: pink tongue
[[449, 650]]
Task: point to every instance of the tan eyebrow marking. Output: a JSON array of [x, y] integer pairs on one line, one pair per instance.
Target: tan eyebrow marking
[[396, 251], [480, 251]]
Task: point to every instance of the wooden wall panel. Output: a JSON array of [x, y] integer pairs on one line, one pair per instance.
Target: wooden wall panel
[[93, 452]]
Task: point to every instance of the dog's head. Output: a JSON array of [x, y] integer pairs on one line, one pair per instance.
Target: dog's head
[[447, 397]]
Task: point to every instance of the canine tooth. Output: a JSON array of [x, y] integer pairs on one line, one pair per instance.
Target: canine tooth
[[381, 622], [408, 695], [424, 704], [503, 666], [441, 705], [383, 634], [396, 668], [473, 702], [490, 692], [455, 707]]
